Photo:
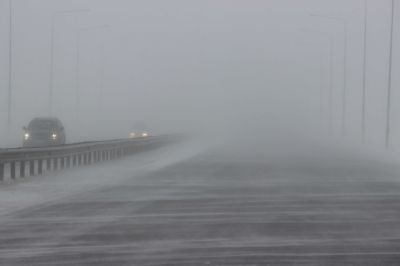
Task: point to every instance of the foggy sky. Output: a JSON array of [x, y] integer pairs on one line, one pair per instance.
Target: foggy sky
[[210, 67]]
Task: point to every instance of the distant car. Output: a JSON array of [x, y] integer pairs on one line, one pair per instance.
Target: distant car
[[44, 131], [140, 130]]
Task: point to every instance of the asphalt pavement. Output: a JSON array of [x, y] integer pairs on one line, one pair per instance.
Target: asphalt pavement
[[220, 207]]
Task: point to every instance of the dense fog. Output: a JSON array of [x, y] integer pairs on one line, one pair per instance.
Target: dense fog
[[264, 132], [220, 69]]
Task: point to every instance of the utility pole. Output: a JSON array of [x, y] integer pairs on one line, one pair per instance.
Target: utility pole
[[320, 66], [344, 68], [9, 73], [52, 53], [365, 56], [77, 66], [102, 70], [390, 82], [330, 89]]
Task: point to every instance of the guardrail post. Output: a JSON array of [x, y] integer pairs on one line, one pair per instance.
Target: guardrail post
[[90, 158], [74, 159], [95, 155], [22, 169], [1, 171], [69, 162], [79, 159], [32, 167], [13, 170], [48, 164], [85, 156], [40, 167], [55, 164]]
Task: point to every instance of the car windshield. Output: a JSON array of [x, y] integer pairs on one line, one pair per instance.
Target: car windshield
[[140, 127], [43, 125]]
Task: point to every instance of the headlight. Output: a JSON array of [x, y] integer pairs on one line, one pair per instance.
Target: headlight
[[26, 135], [132, 134], [144, 134], [54, 136]]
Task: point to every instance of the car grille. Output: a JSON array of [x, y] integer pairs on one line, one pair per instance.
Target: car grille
[[40, 135]]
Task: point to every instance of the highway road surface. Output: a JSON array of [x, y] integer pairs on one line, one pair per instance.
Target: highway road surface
[[219, 206]]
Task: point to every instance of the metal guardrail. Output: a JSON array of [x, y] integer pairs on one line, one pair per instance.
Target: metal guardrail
[[72, 155]]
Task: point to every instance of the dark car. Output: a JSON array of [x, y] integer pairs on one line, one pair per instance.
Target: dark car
[[44, 131], [140, 130]]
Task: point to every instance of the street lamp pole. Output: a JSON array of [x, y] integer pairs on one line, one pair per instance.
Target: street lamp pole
[[77, 65], [9, 74], [52, 52], [320, 90], [344, 68], [390, 81], [102, 70], [330, 89], [365, 56]]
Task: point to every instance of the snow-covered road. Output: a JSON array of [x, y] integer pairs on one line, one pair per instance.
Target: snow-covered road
[[195, 205]]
